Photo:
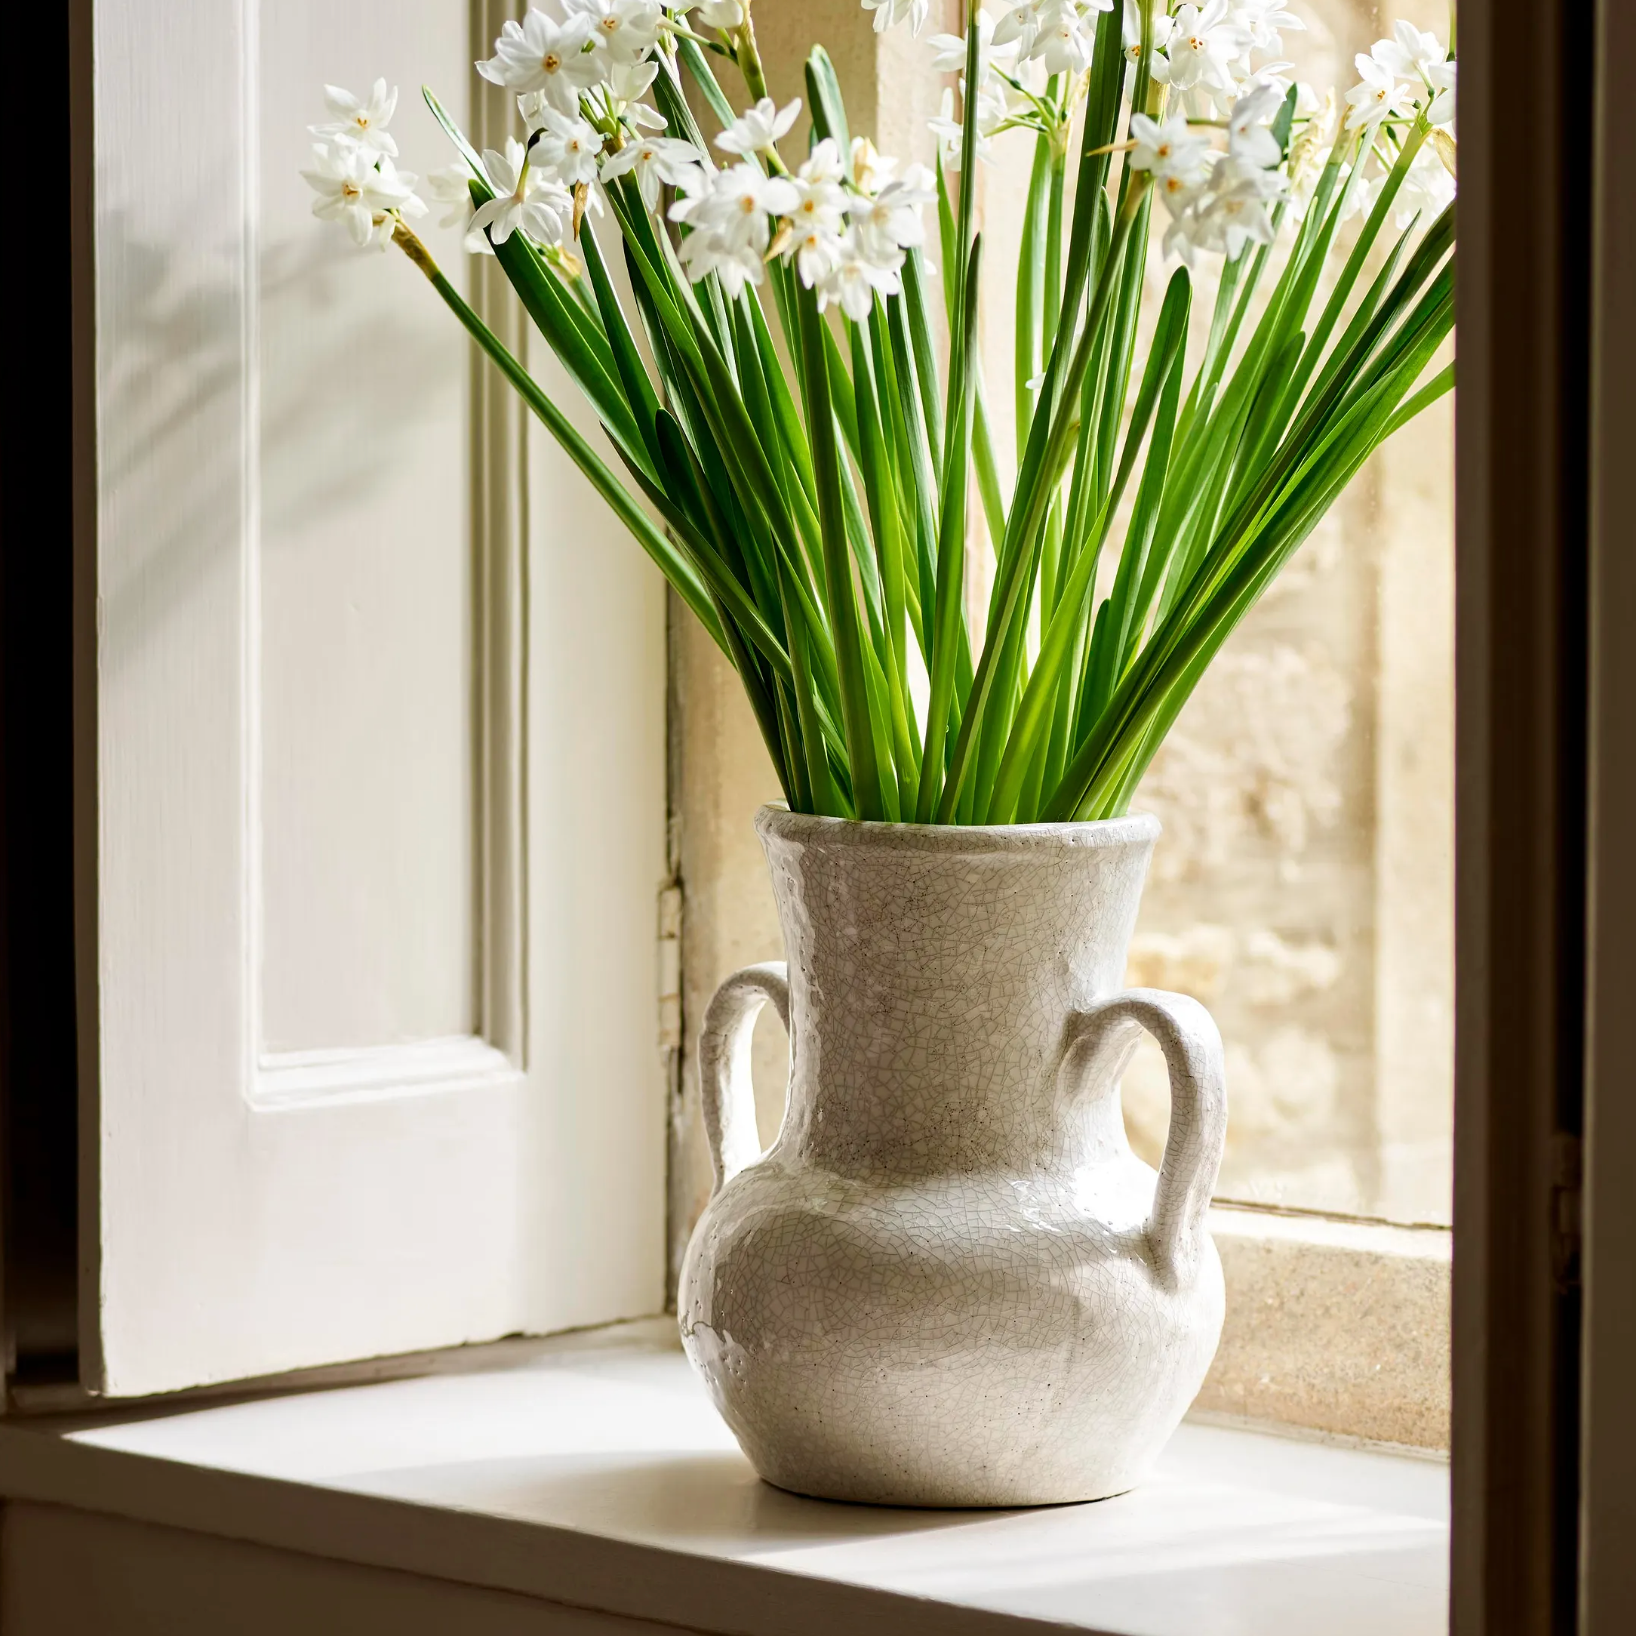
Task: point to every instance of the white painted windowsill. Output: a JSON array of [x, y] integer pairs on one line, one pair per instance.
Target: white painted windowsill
[[592, 1471]]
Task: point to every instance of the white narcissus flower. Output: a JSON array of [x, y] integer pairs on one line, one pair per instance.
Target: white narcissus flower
[[364, 193], [568, 148], [525, 200], [658, 162], [889, 13], [1426, 192], [816, 254], [1378, 94], [1163, 28], [891, 222], [759, 128], [1066, 40], [1264, 21], [821, 200], [729, 222], [868, 169], [1250, 141], [451, 186], [629, 81], [1238, 217], [1441, 77], [360, 122], [1202, 47], [950, 133], [813, 230], [1411, 54], [539, 54], [1171, 151], [1019, 25], [626, 29], [721, 14], [949, 50], [1181, 196], [855, 279]]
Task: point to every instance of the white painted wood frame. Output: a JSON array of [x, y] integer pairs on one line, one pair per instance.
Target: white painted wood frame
[[379, 776]]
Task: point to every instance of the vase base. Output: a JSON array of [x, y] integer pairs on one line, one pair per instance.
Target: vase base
[[955, 1497]]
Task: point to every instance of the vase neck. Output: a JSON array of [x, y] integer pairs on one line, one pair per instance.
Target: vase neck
[[931, 993]]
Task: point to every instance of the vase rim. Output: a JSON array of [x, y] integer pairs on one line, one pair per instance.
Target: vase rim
[[775, 819]]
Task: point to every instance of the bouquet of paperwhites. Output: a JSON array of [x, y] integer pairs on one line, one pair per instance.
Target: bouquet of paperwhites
[[811, 469]]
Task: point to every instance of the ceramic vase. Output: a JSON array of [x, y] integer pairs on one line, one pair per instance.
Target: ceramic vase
[[949, 1281]]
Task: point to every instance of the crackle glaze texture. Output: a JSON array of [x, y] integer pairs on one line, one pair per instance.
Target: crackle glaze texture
[[949, 1282]]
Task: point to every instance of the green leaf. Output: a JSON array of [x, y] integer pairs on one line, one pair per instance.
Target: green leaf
[[948, 625], [824, 99], [842, 607]]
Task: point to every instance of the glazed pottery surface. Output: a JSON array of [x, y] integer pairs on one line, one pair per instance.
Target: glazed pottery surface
[[949, 1281]]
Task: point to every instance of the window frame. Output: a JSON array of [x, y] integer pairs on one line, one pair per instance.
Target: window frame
[[1522, 592]]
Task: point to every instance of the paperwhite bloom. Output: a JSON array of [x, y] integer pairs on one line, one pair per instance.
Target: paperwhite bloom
[[1171, 151], [1202, 47], [1378, 94], [1250, 141], [1019, 25], [758, 128], [1411, 54], [451, 186], [816, 253], [1163, 27], [627, 82], [658, 162], [360, 122], [626, 29], [821, 200], [993, 111], [1232, 205], [730, 230], [891, 222], [354, 188], [525, 200], [539, 54], [889, 13], [1427, 190], [869, 169], [1066, 40], [1441, 110], [855, 279], [718, 13], [569, 148], [813, 232], [949, 50], [1239, 216], [1264, 21]]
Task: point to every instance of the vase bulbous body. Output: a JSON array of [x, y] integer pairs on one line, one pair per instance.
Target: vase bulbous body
[[949, 1282]]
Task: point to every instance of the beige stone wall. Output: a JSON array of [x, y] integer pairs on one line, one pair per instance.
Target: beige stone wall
[[1303, 887]]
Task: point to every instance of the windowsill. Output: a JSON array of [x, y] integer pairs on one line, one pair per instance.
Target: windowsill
[[594, 1472]]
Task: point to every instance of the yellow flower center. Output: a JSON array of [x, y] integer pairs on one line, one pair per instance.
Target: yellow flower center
[[551, 62]]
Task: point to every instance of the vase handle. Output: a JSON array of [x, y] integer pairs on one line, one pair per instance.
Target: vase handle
[[724, 1066], [1101, 1038]]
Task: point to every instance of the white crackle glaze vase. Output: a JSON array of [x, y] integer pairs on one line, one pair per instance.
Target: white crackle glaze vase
[[949, 1282]]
